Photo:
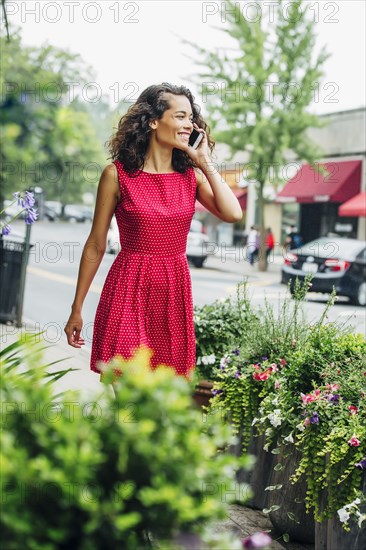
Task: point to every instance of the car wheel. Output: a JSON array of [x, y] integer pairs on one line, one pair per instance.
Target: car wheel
[[198, 262], [360, 298]]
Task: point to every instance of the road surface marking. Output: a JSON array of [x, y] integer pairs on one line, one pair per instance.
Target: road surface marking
[[98, 288], [60, 278]]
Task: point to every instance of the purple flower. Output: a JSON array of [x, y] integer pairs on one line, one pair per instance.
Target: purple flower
[[333, 398], [31, 216], [361, 464], [29, 199], [258, 540], [25, 201], [6, 229], [237, 374], [264, 358], [236, 351], [215, 392], [314, 418]]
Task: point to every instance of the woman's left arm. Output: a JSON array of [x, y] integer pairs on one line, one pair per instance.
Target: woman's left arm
[[215, 194]]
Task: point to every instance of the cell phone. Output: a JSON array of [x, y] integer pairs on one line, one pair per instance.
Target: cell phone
[[195, 138]]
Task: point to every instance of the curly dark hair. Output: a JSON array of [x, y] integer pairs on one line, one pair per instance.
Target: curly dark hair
[[129, 143]]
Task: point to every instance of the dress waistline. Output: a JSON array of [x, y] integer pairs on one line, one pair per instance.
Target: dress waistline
[[151, 254]]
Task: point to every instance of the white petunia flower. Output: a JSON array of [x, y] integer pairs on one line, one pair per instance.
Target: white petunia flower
[[301, 427], [344, 515], [275, 418], [289, 439], [208, 359]]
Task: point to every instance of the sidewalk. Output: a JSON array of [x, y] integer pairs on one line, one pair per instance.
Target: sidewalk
[[242, 521], [234, 260]]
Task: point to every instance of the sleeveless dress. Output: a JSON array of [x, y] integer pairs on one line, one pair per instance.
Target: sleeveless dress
[[147, 295]]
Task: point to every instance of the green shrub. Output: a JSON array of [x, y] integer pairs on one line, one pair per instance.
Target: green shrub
[[217, 327], [115, 472]]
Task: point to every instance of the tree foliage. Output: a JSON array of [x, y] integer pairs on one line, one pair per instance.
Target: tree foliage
[[47, 140], [258, 92]]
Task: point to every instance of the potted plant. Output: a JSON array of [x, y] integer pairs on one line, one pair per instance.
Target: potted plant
[[319, 403], [273, 384]]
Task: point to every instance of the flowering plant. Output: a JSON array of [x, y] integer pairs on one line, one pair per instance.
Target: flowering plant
[[240, 386], [326, 423], [26, 201], [302, 386]]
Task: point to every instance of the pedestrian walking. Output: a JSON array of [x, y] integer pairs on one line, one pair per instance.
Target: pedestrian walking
[[270, 241], [151, 186], [253, 244], [293, 239]]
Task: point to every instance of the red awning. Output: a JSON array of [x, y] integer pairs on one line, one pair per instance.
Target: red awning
[[354, 207], [241, 195], [307, 186]]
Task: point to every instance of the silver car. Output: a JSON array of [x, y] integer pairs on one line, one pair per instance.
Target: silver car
[[196, 242]]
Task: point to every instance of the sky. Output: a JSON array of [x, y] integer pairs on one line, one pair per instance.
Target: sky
[[132, 44]]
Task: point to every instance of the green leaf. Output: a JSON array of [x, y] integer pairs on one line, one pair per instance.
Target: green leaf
[[273, 487], [292, 516], [273, 508]]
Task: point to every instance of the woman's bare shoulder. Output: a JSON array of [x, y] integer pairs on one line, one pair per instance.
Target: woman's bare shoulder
[[109, 180], [110, 170]]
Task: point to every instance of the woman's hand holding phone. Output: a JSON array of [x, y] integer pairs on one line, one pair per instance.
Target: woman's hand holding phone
[[197, 148]]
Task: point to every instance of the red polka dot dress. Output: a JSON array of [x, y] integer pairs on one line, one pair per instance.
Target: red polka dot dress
[[147, 294]]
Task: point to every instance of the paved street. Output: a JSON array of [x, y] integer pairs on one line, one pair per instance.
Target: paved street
[[53, 268]]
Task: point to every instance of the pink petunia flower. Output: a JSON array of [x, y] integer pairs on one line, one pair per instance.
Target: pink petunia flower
[[332, 387], [353, 410], [354, 442], [310, 397]]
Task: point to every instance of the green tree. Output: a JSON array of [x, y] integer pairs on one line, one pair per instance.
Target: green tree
[[46, 140], [246, 112]]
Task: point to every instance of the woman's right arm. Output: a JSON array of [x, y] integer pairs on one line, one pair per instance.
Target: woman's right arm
[[108, 196]]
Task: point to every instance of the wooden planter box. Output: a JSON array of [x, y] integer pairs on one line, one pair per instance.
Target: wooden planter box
[[290, 499], [203, 393], [260, 476]]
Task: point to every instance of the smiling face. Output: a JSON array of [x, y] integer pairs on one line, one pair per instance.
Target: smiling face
[[176, 124]]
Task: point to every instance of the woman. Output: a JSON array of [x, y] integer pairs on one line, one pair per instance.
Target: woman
[[151, 186]]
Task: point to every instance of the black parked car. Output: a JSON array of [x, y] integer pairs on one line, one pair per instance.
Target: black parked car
[[333, 261]]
